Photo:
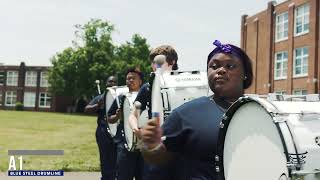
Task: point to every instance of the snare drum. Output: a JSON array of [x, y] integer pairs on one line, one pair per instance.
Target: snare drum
[[176, 88], [111, 94], [269, 140], [131, 140]]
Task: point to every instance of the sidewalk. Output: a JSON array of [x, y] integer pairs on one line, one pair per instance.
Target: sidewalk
[[67, 176]]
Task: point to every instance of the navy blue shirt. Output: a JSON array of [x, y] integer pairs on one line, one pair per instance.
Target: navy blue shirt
[[191, 131], [144, 97], [101, 111]]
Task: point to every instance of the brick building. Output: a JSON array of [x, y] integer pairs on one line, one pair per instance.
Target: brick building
[[283, 43], [28, 85]]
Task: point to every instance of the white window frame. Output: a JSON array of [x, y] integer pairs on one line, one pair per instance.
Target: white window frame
[[305, 19], [283, 68], [46, 98], [0, 98], [281, 92], [304, 57], [13, 98], [29, 99], [280, 26], [31, 78], [44, 79], [12, 78], [300, 92]]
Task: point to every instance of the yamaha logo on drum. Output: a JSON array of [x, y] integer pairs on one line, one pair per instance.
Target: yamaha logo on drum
[[188, 79], [317, 139]]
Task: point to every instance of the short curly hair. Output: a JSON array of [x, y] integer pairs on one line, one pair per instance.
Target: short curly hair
[[169, 52]]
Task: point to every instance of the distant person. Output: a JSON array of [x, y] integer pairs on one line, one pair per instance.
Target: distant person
[[129, 164], [155, 172], [107, 148]]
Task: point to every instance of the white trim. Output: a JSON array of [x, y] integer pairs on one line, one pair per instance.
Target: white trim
[[281, 24], [302, 57], [281, 61], [13, 98], [14, 77], [303, 20], [46, 98]]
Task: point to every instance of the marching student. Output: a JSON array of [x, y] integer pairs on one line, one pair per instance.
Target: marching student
[[190, 131], [129, 164], [107, 149], [155, 172]]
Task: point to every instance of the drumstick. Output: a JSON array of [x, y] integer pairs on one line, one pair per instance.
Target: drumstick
[[98, 86], [156, 101], [137, 105]]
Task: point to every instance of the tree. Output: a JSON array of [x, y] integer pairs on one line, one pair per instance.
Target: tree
[[94, 56], [133, 54]]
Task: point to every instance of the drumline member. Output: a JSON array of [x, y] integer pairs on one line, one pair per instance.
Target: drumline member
[[129, 164], [190, 131], [154, 172], [107, 149]]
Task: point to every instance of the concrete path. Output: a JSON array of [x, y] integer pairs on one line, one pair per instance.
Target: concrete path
[[67, 176]]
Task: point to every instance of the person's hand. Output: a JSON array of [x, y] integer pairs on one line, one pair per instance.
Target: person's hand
[[138, 133], [151, 133], [118, 113], [99, 103]]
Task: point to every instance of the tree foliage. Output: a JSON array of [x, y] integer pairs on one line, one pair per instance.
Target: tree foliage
[[94, 56]]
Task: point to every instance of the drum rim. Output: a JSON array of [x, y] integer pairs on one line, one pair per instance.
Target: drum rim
[[134, 138], [224, 124], [109, 89]]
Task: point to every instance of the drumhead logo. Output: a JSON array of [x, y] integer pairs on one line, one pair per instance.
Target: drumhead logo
[[317, 139], [188, 79]]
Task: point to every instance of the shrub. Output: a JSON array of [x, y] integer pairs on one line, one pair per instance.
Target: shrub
[[19, 106]]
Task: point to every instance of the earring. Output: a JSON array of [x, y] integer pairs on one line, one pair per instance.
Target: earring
[[245, 78]]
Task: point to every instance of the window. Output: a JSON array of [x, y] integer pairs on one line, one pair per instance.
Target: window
[[0, 98], [282, 92], [301, 62], [300, 92], [282, 26], [44, 100], [11, 97], [44, 79], [2, 77], [29, 99], [31, 78], [281, 65], [302, 19], [12, 78]]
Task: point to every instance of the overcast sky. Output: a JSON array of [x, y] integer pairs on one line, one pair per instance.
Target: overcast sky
[[34, 30]]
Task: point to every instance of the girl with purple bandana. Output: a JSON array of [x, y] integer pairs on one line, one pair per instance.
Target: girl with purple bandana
[[190, 132]]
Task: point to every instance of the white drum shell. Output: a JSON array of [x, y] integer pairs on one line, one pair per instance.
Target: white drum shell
[[130, 138], [253, 148], [176, 88], [111, 94]]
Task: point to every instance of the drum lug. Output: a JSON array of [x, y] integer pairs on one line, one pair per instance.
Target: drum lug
[[216, 158], [221, 125], [217, 169]]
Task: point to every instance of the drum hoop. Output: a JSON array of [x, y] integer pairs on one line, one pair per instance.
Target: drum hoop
[[134, 138], [224, 124], [106, 115]]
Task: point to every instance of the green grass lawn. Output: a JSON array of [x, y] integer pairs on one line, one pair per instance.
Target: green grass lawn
[[75, 134]]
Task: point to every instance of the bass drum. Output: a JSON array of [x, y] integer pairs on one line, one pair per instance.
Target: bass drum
[[269, 140], [111, 94]]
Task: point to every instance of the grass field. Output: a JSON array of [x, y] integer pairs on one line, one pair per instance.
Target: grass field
[[75, 134]]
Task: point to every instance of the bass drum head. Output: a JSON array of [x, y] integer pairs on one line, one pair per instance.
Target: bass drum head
[[110, 96], [128, 133], [252, 146]]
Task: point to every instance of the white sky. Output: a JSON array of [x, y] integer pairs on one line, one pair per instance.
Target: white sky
[[34, 30]]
